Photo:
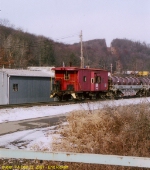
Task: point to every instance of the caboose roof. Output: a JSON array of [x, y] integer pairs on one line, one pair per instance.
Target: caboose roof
[[77, 68]]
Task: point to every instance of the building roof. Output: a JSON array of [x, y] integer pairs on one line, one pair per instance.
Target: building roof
[[27, 73], [77, 68], [43, 69]]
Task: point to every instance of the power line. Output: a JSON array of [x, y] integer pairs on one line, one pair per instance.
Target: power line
[[67, 36]]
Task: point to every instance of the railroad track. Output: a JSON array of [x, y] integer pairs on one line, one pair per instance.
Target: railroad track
[[57, 103], [52, 103]]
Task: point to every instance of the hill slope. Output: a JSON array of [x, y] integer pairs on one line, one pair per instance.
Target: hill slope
[[20, 49]]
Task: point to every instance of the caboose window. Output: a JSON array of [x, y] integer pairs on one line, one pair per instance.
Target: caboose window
[[84, 78], [97, 79], [66, 76]]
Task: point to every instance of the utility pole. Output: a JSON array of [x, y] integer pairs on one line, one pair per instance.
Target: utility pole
[[82, 59], [118, 66], [111, 68]]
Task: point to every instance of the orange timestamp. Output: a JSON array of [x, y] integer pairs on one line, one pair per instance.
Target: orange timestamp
[[36, 167], [58, 167]]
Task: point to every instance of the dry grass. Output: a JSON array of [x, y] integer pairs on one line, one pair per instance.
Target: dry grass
[[123, 130]]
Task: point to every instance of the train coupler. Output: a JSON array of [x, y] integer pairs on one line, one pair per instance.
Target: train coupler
[[52, 95]]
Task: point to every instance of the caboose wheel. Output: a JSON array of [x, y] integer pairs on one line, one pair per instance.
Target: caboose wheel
[[59, 98], [66, 97], [103, 96]]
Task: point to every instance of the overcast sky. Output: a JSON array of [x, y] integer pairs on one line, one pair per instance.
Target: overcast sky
[[62, 20]]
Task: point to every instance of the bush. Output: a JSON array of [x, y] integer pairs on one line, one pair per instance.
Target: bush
[[123, 130]]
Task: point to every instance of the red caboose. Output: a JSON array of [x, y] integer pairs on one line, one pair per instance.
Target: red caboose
[[80, 83]]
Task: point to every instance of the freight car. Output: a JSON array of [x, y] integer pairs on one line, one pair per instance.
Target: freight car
[[128, 86], [82, 83]]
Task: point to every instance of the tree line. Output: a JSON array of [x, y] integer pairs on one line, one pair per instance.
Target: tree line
[[19, 49]]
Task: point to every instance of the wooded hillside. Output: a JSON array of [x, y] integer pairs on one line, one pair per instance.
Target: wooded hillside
[[20, 49]]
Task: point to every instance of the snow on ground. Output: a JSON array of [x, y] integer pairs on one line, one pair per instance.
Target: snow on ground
[[41, 138], [14, 114], [35, 139]]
